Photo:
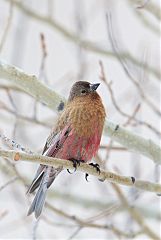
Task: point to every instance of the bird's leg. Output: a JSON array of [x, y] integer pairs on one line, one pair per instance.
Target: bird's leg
[[76, 163], [96, 166]]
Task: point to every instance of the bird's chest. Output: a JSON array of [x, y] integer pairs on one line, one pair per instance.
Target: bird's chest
[[86, 132], [80, 147], [87, 121]]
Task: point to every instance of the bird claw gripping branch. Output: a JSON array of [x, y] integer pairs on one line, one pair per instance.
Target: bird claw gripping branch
[[96, 166], [75, 164]]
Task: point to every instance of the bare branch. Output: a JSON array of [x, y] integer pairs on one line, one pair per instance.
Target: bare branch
[[87, 45], [90, 224], [130, 117], [7, 27], [135, 214], [152, 8], [8, 183], [103, 175], [30, 84], [125, 66]]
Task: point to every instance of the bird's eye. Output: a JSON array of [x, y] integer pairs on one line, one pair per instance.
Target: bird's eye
[[83, 91]]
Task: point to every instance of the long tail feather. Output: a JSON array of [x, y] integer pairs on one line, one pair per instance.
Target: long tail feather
[[39, 200], [35, 184], [47, 178], [37, 179]]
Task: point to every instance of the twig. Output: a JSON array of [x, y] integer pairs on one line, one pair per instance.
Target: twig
[[152, 8], [134, 142], [147, 23], [11, 100], [133, 115], [23, 118], [80, 22], [42, 69], [105, 213], [125, 67], [130, 117], [34, 230], [12, 180], [15, 110], [42, 93], [135, 214], [44, 56], [113, 148], [14, 145], [75, 233], [86, 223], [87, 45], [11, 87], [103, 175], [31, 84], [7, 27], [103, 205]]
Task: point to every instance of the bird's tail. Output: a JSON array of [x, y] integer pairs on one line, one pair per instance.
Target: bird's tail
[[44, 181]]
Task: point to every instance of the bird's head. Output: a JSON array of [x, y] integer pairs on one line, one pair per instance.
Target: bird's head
[[82, 89]]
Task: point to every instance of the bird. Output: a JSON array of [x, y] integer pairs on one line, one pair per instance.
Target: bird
[[75, 137]]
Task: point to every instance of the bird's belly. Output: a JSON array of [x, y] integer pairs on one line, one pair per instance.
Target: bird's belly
[[79, 147]]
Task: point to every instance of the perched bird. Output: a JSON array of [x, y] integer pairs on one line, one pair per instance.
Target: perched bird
[[76, 137]]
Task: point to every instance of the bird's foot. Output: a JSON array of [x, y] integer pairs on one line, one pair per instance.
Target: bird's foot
[[76, 163], [96, 166]]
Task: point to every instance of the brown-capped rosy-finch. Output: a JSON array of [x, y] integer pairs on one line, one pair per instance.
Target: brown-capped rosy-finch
[[76, 136]]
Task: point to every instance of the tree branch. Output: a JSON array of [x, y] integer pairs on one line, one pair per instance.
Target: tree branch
[[85, 44], [30, 84], [103, 175], [90, 224], [44, 94]]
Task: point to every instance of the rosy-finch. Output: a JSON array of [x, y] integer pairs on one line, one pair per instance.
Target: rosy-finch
[[76, 136]]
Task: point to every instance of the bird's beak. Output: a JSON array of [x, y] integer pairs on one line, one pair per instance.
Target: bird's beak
[[94, 86]]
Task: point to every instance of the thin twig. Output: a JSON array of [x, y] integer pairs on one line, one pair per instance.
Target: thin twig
[[7, 26], [85, 223], [75, 233], [135, 214], [87, 45], [14, 145], [130, 117], [125, 67], [113, 148], [12, 180], [34, 229], [23, 118]]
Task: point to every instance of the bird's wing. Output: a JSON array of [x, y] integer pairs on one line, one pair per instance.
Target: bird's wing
[[53, 144]]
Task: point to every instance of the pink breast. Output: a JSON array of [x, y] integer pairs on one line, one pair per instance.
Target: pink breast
[[80, 148]]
